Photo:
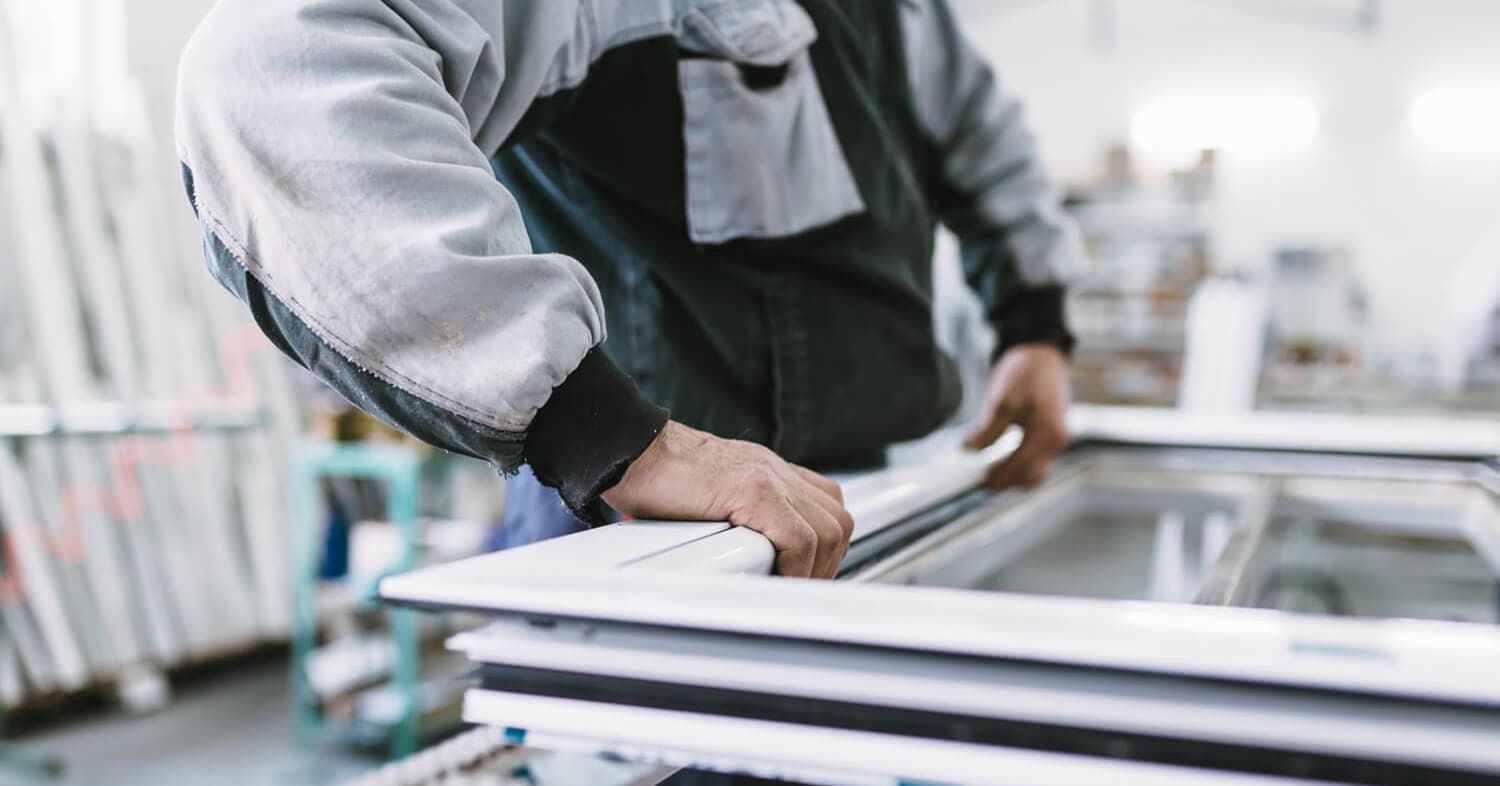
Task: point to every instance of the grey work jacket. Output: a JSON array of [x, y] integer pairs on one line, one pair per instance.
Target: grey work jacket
[[341, 156]]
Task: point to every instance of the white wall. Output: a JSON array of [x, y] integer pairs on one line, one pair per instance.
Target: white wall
[[1411, 217]]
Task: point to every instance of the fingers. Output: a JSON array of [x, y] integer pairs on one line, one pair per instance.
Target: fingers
[[829, 521], [819, 482], [1028, 388], [821, 503], [818, 512], [828, 544], [830, 496], [768, 509], [796, 543], [690, 475], [1027, 466], [824, 491], [1000, 416], [785, 509], [1028, 383], [809, 530]]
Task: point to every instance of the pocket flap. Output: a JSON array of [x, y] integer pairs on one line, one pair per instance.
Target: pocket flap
[[750, 32]]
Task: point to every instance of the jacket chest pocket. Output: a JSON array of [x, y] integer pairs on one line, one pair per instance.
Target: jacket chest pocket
[[761, 156]]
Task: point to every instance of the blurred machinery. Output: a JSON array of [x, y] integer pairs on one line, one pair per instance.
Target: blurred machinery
[[1303, 328], [1317, 324], [1151, 246]]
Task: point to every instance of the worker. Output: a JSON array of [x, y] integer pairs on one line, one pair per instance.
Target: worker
[[652, 257]]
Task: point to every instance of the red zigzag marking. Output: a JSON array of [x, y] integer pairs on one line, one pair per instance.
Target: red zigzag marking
[[123, 500]]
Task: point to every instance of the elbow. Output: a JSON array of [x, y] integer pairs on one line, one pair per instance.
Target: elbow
[[208, 53], [222, 75], [201, 83]]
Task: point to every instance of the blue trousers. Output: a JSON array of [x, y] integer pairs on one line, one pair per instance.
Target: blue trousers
[[534, 512]]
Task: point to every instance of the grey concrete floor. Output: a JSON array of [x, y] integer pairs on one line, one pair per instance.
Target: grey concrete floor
[[231, 728]]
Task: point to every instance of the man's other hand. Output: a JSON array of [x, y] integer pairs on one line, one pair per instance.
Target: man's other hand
[[1028, 388], [689, 474]]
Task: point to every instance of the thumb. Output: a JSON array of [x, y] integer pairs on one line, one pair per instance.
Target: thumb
[[995, 422]]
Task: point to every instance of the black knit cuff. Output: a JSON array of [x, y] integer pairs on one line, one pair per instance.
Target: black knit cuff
[[587, 434], [1034, 316]]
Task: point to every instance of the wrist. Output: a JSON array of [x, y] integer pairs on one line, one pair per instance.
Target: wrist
[[663, 449], [1035, 316], [1045, 350], [594, 426]]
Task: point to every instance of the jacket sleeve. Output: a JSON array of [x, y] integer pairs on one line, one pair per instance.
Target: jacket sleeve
[[337, 156], [1019, 248]]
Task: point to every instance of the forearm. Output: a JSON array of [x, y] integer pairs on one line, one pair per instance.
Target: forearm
[[1019, 248], [1033, 316], [330, 152]]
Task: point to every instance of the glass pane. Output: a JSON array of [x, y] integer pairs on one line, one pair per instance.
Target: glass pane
[[1377, 540], [1359, 568], [1103, 552], [1124, 536]]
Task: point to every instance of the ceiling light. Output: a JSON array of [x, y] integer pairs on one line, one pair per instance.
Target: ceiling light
[[1458, 118], [1175, 129]]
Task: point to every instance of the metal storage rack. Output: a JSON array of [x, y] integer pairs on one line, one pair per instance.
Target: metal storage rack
[[138, 535], [105, 419], [402, 470], [1150, 247]]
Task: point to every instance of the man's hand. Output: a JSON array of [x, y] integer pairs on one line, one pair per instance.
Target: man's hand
[[689, 474], [1028, 388]]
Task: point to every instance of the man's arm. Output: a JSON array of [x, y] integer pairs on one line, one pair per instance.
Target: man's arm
[[1018, 246], [337, 155]]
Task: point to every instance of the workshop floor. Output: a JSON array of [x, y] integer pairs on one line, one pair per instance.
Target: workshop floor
[[230, 730]]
